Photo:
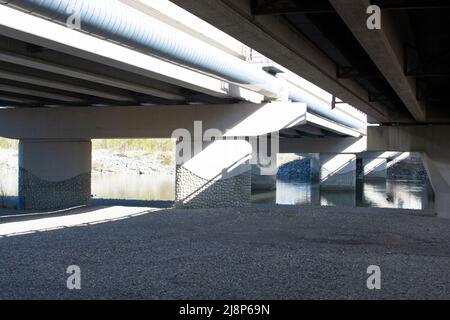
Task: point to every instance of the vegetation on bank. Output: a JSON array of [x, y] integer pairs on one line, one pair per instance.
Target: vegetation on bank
[[8, 143], [150, 146]]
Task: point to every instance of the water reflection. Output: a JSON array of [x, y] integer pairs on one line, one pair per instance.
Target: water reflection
[[385, 193], [388, 194], [133, 187], [115, 186]]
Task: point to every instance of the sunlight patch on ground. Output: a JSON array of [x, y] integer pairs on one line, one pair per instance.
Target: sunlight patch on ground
[[90, 216]]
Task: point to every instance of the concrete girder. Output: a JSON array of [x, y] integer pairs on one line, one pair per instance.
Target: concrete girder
[[65, 86], [25, 27], [276, 39], [39, 93], [17, 100], [324, 145], [385, 48], [242, 119], [21, 53], [85, 75], [333, 126]]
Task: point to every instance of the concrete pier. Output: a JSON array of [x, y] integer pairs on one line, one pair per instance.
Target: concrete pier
[[217, 176], [263, 182], [264, 163], [54, 174], [314, 163], [374, 168], [337, 171], [438, 170]]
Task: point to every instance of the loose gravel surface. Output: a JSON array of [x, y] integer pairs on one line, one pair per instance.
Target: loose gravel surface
[[255, 253]]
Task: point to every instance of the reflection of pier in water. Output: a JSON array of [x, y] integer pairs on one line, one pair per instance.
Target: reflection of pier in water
[[387, 194]]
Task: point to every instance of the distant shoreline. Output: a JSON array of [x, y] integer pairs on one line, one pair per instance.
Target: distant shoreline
[[139, 162]]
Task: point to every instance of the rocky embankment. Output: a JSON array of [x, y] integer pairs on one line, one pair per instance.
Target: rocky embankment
[[296, 168], [411, 168], [110, 162], [132, 162]]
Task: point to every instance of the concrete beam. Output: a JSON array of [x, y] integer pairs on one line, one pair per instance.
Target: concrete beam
[[70, 87], [320, 145], [385, 48], [18, 52], [275, 38], [39, 93], [388, 155], [85, 75], [243, 119], [31, 29], [431, 139], [18, 100], [400, 138], [333, 126]]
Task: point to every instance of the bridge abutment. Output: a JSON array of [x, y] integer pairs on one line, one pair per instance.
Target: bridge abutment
[[54, 174]]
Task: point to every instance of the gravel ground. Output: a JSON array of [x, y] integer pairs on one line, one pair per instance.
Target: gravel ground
[[255, 253]]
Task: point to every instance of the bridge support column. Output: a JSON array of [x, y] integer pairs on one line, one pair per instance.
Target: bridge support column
[[217, 176], [337, 171], [54, 174], [374, 168], [264, 171], [315, 167], [263, 181], [438, 170]]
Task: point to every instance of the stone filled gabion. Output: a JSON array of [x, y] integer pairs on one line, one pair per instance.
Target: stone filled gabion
[[193, 191], [39, 194]]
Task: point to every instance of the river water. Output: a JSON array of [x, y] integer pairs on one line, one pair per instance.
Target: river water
[[389, 194], [383, 194]]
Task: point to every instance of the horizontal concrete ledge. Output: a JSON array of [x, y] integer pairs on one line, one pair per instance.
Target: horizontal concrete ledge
[[319, 145], [410, 138], [241, 119]]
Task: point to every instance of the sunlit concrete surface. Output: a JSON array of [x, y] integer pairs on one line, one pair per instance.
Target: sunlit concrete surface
[[273, 253], [38, 222]]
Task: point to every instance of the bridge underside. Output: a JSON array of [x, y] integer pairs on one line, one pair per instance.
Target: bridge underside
[[60, 88], [398, 74]]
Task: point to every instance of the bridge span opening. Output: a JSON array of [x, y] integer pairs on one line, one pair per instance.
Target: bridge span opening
[[145, 110]]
